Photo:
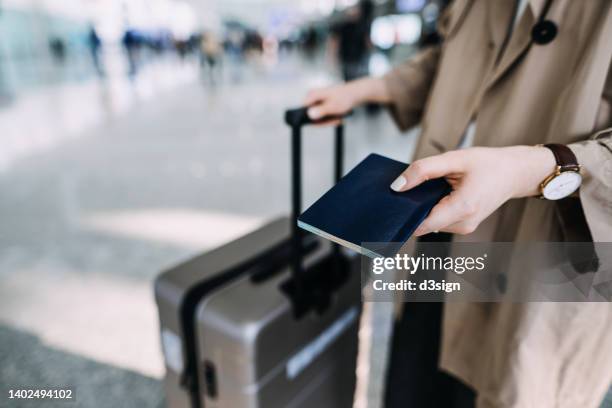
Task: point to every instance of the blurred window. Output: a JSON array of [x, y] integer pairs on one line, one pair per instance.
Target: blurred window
[[388, 31]]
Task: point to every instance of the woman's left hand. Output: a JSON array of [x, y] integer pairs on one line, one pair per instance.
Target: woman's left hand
[[482, 180]]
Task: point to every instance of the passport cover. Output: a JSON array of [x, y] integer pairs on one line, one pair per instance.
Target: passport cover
[[362, 208]]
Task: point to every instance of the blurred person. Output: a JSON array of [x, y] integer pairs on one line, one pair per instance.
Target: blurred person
[[253, 42], [58, 49], [210, 54], [183, 47], [350, 40], [95, 44], [310, 42], [234, 46], [131, 45], [506, 77]]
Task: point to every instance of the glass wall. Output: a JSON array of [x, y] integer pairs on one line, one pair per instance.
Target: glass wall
[[38, 48]]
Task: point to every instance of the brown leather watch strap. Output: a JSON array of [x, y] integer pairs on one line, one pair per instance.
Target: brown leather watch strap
[[566, 159]]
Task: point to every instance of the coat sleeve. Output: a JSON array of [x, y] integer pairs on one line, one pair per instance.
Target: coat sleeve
[[595, 156], [409, 84]]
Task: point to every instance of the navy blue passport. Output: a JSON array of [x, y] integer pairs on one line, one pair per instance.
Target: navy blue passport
[[362, 208]]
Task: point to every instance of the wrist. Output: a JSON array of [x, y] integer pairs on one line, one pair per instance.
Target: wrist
[[535, 163], [368, 89]]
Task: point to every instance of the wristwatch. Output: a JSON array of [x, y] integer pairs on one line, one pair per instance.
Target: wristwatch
[[566, 178]]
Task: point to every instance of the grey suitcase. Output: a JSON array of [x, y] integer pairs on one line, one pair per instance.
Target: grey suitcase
[[254, 353], [269, 320]]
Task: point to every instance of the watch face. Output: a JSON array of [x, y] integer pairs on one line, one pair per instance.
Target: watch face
[[562, 185]]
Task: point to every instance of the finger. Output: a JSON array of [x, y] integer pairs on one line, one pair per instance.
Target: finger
[[452, 209], [428, 168], [321, 110], [314, 96], [316, 112]]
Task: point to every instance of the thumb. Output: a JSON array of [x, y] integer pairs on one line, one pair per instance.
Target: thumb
[[425, 169], [317, 111]]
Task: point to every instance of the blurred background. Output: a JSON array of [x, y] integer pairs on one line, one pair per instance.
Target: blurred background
[[137, 133]]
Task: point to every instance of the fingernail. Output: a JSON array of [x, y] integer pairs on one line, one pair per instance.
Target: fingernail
[[313, 113], [398, 183]]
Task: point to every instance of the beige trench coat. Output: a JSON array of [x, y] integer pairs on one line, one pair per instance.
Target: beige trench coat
[[534, 354]]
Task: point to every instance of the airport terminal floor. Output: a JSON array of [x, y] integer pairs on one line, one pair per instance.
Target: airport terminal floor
[[107, 182]]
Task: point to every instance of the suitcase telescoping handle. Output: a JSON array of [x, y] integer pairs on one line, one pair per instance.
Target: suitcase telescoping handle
[[296, 118]]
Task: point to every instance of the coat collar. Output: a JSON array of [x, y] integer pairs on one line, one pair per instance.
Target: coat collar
[[536, 6]]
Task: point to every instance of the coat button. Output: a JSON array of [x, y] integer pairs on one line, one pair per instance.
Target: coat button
[[544, 32]]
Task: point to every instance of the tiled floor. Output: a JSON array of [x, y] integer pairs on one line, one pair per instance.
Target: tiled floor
[[104, 184]]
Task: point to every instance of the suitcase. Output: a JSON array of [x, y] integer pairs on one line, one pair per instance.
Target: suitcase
[[268, 320]]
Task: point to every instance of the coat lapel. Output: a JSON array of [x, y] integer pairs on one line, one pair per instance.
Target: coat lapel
[[499, 16], [519, 41]]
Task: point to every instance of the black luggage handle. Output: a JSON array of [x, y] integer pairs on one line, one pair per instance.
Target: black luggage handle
[[296, 118]]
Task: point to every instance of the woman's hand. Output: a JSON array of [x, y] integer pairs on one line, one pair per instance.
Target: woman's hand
[[338, 100], [482, 180]]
